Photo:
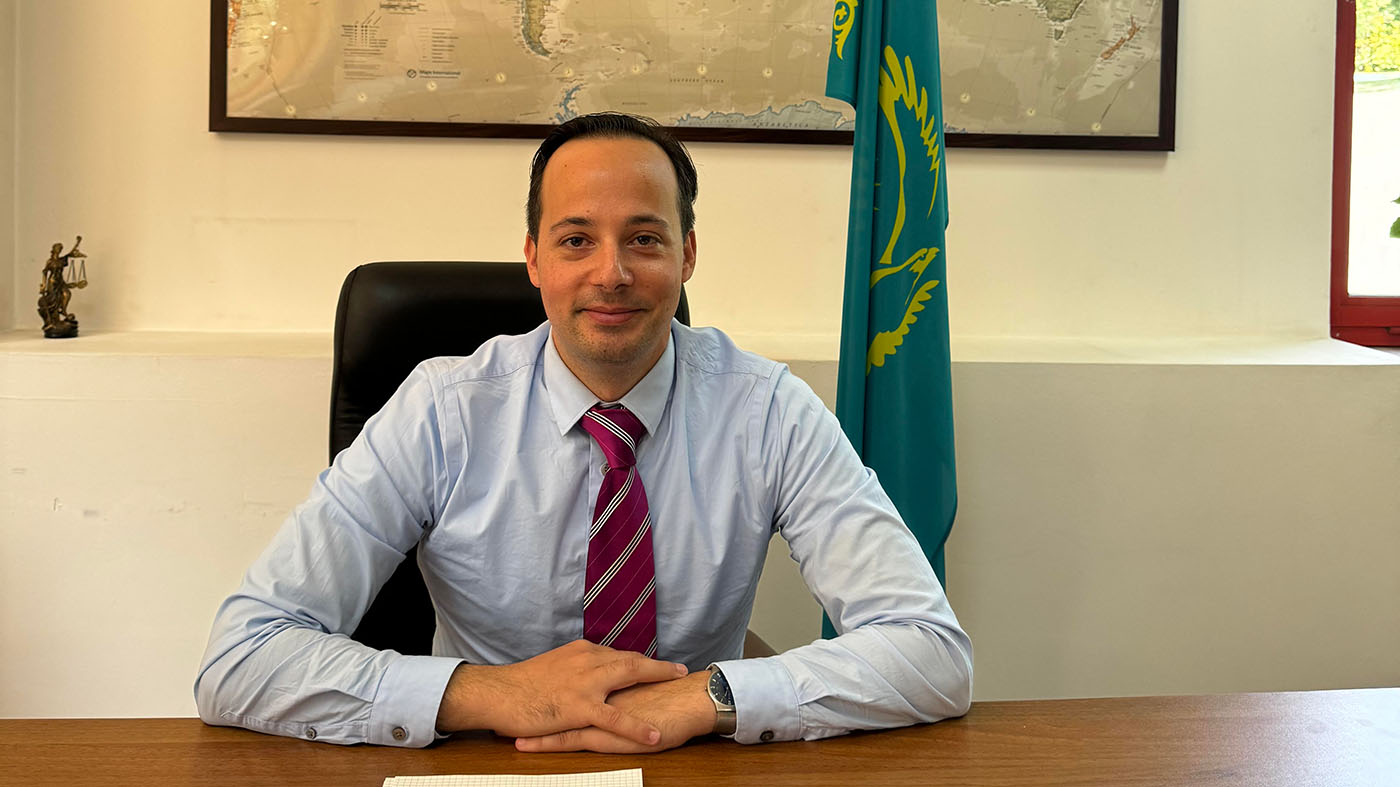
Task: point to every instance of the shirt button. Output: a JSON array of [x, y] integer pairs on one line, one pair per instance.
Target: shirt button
[[766, 736], [604, 468], [311, 733], [399, 733]]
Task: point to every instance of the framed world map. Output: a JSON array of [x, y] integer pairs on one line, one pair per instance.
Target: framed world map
[[1016, 73]]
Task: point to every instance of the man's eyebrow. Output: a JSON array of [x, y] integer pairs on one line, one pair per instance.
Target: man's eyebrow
[[647, 218], [570, 221]]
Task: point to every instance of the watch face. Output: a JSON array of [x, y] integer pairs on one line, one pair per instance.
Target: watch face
[[719, 689]]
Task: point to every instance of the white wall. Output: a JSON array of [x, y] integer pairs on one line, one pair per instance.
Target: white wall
[[134, 486], [1175, 528], [1162, 491]]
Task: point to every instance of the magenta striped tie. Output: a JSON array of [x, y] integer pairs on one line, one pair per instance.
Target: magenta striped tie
[[619, 601]]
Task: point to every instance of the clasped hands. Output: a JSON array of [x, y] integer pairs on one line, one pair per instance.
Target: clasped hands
[[581, 696]]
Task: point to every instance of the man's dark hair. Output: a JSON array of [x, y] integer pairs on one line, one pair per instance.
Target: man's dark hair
[[615, 125]]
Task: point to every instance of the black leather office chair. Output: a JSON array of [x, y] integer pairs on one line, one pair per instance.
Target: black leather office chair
[[391, 316]]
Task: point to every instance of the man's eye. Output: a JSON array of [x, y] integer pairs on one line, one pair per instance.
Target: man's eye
[[647, 240], [573, 242]]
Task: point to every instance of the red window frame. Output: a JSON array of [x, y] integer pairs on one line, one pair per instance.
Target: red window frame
[[1369, 320]]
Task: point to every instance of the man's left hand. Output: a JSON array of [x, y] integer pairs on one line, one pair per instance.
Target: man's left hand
[[680, 708]]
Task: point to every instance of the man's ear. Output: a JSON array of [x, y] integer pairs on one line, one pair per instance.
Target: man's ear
[[688, 258], [531, 260]]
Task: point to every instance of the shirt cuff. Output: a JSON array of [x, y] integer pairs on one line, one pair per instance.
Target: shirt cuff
[[765, 701], [406, 705]]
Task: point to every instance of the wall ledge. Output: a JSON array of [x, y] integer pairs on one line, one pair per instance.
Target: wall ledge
[[1192, 351], [197, 344], [806, 349], [1175, 351]]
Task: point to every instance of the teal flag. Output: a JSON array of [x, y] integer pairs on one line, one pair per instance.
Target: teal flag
[[894, 394]]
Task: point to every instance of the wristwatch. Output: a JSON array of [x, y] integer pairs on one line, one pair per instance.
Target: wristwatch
[[726, 720]]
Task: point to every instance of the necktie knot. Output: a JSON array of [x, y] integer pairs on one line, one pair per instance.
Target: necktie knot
[[616, 430]]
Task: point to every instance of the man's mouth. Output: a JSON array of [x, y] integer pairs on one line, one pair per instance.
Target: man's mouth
[[610, 315]]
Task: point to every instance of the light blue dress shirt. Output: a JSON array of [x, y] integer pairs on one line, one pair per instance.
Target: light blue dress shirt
[[479, 461]]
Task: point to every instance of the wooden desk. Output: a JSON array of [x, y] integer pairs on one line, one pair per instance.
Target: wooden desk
[[1312, 738]]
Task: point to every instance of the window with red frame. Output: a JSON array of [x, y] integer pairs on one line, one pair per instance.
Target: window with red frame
[[1366, 174]]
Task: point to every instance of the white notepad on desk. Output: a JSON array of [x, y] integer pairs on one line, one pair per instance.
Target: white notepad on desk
[[626, 778]]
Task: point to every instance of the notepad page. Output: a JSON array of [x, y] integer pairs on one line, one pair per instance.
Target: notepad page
[[626, 778]]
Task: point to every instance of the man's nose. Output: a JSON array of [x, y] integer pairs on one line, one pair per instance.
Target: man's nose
[[612, 268]]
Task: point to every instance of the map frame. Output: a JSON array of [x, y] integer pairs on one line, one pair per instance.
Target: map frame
[[220, 121]]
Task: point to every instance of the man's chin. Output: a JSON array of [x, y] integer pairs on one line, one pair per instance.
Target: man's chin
[[613, 346], [614, 354]]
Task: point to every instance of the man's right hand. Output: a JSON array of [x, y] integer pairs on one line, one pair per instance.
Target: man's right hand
[[563, 689]]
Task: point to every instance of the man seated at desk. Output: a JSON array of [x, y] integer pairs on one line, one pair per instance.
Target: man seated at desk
[[592, 502]]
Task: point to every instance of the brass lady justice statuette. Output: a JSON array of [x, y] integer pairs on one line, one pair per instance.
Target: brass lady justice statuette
[[63, 273]]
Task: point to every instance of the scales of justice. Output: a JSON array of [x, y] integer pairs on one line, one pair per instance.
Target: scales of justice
[[63, 273]]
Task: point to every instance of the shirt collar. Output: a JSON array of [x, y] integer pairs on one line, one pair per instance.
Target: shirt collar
[[569, 398]]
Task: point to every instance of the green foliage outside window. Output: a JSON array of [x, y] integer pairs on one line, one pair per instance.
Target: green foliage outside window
[[1377, 35], [1378, 51]]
